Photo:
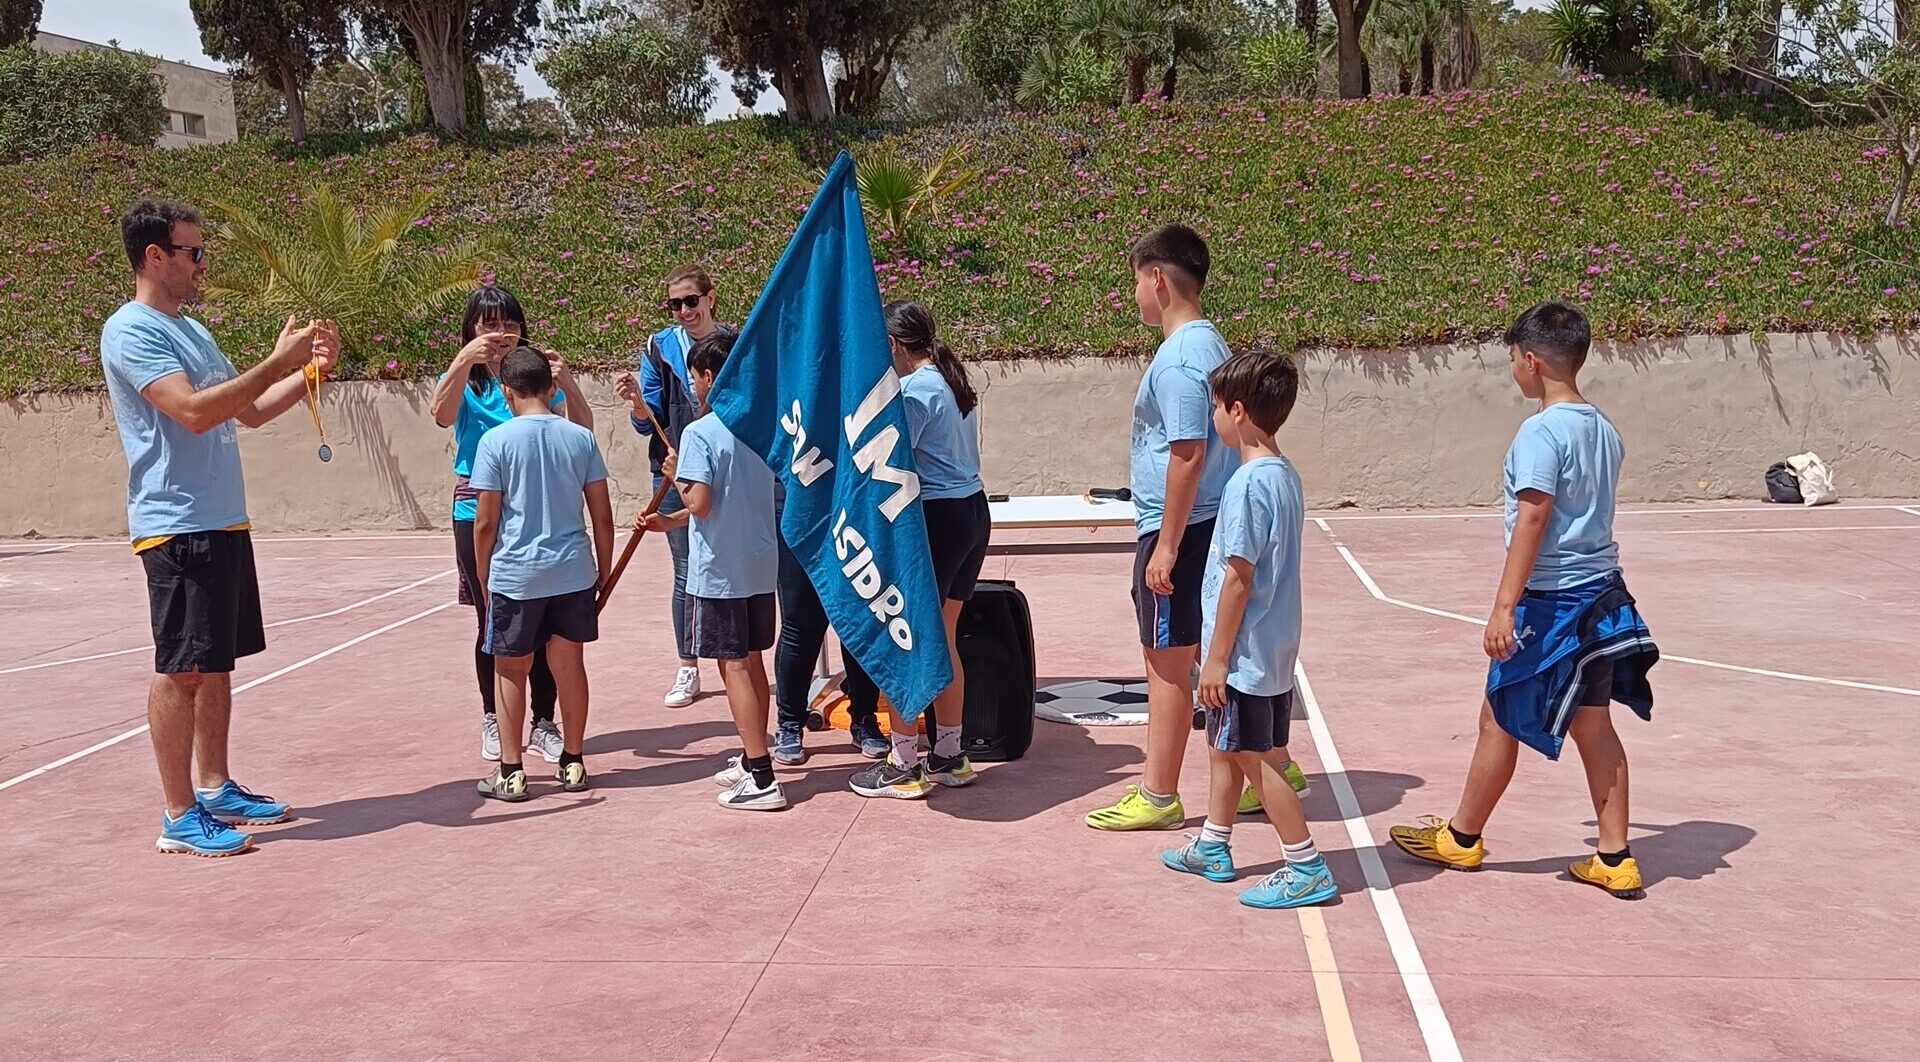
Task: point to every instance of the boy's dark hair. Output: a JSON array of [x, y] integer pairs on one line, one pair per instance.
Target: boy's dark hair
[[525, 372], [1556, 331], [710, 354], [488, 303], [149, 223], [1264, 382], [1176, 246]]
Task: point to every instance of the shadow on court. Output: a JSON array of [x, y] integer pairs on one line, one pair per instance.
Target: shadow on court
[[451, 803], [1689, 851]]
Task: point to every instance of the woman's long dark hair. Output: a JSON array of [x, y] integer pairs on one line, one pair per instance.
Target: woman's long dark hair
[[489, 303], [912, 327]]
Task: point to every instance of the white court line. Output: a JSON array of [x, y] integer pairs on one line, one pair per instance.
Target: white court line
[[237, 690], [1696, 511], [1434, 1026], [121, 543], [1373, 588], [1908, 509], [1771, 530], [277, 623], [61, 548]]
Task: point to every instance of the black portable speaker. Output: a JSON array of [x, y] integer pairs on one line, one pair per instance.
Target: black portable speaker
[[996, 653]]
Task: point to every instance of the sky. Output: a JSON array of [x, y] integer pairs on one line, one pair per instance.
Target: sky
[[165, 28]]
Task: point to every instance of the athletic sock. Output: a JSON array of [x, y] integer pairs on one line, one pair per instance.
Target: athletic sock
[[1464, 840], [760, 767], [906, 747], [1614, 859], [1213, 831], [1156, 799], [572, 757], [507, 769], [946, 741], [1304, 852]]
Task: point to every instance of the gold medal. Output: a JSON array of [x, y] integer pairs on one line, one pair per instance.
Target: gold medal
[[311, 375]]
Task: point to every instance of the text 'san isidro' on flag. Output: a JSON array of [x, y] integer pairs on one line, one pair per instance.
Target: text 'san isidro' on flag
[[810, 386]]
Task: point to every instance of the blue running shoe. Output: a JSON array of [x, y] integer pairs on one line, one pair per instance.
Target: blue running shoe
[[1301, 885], [789, 744], [198, 833], [868, 739], [237, 807], [1209, 859]]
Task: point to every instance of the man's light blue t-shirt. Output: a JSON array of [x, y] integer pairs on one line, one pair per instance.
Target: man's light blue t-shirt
[[1571, 451], [732, 551], [480, 412], [541, 465], [178, 482], [1261, 516], [1175, 404], [946, 449]]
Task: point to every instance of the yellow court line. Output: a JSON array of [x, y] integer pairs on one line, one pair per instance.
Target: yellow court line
[[1341, 1043]]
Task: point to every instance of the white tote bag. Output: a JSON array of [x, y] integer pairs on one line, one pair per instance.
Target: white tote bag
[[1816, 480]]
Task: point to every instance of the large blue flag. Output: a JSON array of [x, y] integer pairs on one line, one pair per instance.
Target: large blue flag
[[810, 386]]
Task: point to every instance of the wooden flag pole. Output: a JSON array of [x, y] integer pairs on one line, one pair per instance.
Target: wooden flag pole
[[639, 529]]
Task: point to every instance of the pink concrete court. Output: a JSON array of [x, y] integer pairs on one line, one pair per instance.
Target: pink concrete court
[[399, 917]]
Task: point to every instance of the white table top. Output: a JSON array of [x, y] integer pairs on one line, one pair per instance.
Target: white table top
[[1060, 511]]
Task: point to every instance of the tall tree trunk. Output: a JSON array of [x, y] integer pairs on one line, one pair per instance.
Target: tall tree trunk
[[1136, 77], [1306, 19], [1460, 66], [296, 97], [1351, 16], [476, 97], [1426, 66], [1171, 80], [440, 35], [804, 86]]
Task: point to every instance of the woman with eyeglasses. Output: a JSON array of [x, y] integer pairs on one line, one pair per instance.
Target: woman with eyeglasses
[[469, 400], [663, 406]]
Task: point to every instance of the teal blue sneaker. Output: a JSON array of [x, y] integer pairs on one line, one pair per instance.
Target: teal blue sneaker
[[1209, 859], [237, 807], [1293, 885], [198, 833]]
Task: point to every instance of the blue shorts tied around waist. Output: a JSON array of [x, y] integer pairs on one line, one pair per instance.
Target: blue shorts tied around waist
[[1568, 639]]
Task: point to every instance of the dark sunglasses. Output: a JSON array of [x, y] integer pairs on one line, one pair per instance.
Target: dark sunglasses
[[197, 251], [687, 302]]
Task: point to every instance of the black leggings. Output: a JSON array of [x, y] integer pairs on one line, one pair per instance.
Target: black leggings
[[803, 629], [543, 694]]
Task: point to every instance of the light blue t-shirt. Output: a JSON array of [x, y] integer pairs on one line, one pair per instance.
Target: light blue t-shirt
[[541, 465], [1261, 516], [732, 551], [178, 482], [1571, 451], [946, 448], [480, 412], [1175, 404]]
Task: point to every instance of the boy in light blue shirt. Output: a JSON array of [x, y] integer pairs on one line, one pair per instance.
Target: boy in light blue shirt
[[534, 563], [1251, 634], [732, 570], [1179, 468], [1565, 639]]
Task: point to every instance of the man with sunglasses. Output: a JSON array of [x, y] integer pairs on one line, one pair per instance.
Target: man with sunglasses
[[175, 398], [666, 389]]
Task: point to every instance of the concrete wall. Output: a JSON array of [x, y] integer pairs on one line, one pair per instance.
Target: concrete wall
[[1702, 418], [189, 90]]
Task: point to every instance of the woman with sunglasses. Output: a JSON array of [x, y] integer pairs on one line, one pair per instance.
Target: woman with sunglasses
[[662, 399], [469, 400]]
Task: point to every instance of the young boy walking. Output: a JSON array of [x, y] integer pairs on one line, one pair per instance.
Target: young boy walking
[[1179, 468], [1250, 602], [732, 570], [1564, 636], [535, 564]]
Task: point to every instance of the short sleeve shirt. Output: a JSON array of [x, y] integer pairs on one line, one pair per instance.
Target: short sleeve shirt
[[481, 410], [1569, 450], [1175, 404], [731, 552], [1260, 519], [946, 449], [541, 465]]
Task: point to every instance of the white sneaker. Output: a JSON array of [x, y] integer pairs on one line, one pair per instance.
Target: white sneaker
[[686, 686], [489, 737], [546, 741], [729, 776], [747, 797]]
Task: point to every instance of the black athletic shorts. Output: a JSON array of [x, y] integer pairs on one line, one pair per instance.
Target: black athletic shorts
[[957, 533], [1172, 621], [517, 628], [1596, 684], [1249, 723], [203, 597], [729, 628]]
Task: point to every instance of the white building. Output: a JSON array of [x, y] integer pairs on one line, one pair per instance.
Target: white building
[[199, 101]]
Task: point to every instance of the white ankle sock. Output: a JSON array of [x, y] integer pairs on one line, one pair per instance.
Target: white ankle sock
[[906, 747], [1213, 831], [1156, 799], [946, 741], [1304, 852]]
